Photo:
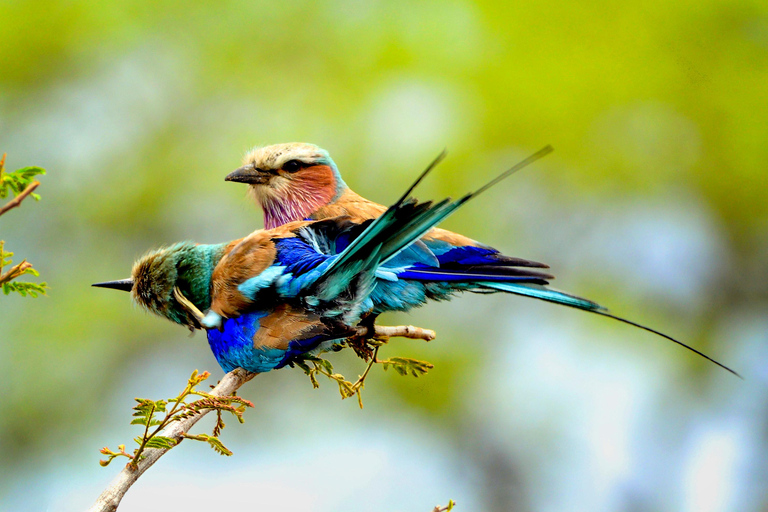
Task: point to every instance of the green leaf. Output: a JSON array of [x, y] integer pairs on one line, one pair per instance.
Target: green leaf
[[28, 172], [303, 366], [18, 180], [33, 289], [216, 444], [145, 410], [326, 364], [161, 442], [405, 366], [143, 421], [213, 441]]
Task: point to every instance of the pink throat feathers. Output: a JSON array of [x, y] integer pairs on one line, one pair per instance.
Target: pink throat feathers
[[297, 201]]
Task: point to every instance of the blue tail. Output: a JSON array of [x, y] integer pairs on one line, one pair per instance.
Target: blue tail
[[397, 228], [477, 268], [549, 295]]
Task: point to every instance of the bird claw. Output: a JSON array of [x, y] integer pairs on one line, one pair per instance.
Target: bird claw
[[360, 343]]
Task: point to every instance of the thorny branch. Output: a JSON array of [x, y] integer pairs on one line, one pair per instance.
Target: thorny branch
[[110, 499]]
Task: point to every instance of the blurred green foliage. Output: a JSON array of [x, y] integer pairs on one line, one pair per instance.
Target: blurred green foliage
[[656, 111], [21, 183]]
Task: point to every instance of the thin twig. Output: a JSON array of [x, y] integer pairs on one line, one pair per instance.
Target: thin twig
[[112, 495], [16, 201], [446, 508], [15, 271], [398, 331], [374, 360]]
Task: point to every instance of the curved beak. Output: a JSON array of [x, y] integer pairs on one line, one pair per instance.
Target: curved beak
[[121, 284], [249, 174]]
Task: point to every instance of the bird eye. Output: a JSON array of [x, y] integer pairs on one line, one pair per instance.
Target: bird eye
[[292, 166]]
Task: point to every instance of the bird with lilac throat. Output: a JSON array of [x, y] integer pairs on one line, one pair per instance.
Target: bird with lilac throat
[[295, 181], [302, 287], [282, 294]]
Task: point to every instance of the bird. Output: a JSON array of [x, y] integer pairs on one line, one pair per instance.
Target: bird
[[301, 288], [329, 275], [298, 180]]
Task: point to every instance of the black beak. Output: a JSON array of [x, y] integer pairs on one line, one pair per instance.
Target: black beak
[[248, 174], [121, 284]]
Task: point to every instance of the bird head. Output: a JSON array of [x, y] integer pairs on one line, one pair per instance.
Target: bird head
[[289, 181], [186, 266]]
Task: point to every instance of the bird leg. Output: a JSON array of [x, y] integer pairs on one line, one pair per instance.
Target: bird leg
[[398, 331], [371, 336], [361, 341]]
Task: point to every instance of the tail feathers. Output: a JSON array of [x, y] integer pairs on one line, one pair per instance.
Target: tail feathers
[[384, 238], [388, 218], [670, 338], [426, 171], [549, 295], [536, 156], [475, 274], [398, 227]]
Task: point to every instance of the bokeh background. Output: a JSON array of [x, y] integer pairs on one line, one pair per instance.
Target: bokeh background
[[655, 203]]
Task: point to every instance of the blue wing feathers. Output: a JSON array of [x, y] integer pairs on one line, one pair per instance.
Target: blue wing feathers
[[298, 256]]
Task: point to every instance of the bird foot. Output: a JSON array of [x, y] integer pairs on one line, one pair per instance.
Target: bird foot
[[369, 338]]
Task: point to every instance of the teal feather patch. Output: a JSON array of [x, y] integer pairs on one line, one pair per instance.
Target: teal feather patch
[[253, 285], [547, 294]]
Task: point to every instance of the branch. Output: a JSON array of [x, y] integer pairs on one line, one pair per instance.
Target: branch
[[15, 271], [112, 495], [110, 499], [16, 201], [398, 331]]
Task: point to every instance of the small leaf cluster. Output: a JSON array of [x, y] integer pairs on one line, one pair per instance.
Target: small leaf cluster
[[6, 278], [312, 365], [405, 366], [160, 413], [17, 182]]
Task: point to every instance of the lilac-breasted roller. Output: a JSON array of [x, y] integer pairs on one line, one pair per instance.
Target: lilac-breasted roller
[[302, 287], [298, 180]]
